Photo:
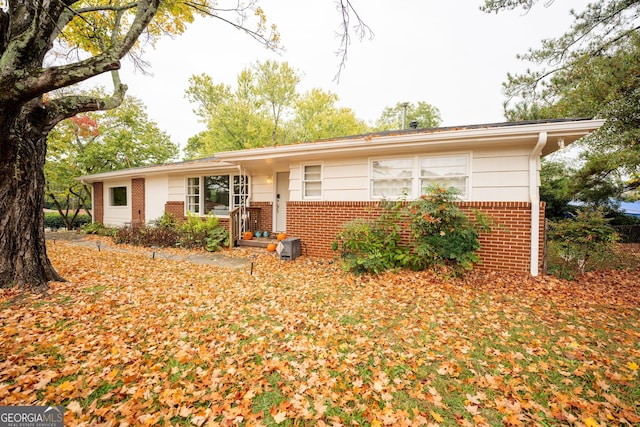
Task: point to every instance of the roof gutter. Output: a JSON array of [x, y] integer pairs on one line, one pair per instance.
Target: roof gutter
[[534, 198]]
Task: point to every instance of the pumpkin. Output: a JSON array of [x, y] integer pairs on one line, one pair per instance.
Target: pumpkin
[[282, 236], [247, 235], [271, 247]]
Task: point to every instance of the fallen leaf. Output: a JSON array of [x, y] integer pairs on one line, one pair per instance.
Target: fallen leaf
[[590, 422], [280, 417], [436, 416]]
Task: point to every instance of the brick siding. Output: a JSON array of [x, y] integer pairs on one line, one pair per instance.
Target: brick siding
[[507, 247], [176, 209], [266, 214], [98, 202], [137, 201]]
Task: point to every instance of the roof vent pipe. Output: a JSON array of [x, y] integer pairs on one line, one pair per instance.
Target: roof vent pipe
[[404, 106]]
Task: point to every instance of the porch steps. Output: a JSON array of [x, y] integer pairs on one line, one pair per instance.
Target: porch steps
[[256, 242]]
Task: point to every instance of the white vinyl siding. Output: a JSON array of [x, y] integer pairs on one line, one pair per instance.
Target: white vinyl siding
[[176, 188], [501, 175], [154, 188], [116, 216]]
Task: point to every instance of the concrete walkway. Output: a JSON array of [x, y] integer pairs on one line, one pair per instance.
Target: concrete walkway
[[211, 258]]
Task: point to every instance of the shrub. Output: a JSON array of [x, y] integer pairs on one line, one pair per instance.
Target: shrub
[[207, 234], [373, 246], [164, 232], [55, 221], [96, 228], [167, 220], [147, 236], [579, 239], [442, 234], [368, 247]]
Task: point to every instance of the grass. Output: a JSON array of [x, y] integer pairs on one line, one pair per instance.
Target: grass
[[304, 344]]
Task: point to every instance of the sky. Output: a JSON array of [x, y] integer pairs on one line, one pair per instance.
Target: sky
[[446, 53]]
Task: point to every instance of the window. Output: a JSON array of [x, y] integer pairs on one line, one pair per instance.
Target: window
[[213, 194], [410, 177], [240, 190], [193, 195], [312, 181], [445, 171], [118, 196], [216, 195], [391, 179]]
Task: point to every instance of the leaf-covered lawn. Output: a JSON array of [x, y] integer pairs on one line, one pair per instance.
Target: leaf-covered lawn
[[131, 340]]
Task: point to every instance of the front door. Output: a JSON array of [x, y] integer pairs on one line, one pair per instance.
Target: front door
[[282, 197]]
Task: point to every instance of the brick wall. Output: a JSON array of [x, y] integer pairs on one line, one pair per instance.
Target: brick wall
[[266, 214], [137, 201], [176, 209], [507, 247], [98, 202]]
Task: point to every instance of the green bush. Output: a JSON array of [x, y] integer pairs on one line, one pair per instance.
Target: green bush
[[370, 246], [167, 220], [194, 233], [579, 240], [95, 228], [443, 235], [207, 234], [55, 221]]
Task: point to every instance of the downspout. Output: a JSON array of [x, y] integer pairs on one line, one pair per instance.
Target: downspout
[[243, 202], [534, 198]]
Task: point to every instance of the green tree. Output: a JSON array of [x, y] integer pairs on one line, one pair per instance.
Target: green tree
[[265, 109], [276, 89], [555, 187], [317, 117], [236, 119], [593, 70], [423, 114], [579, 239], [99, 142]]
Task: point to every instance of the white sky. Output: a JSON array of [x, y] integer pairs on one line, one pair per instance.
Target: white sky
[[444, 52]]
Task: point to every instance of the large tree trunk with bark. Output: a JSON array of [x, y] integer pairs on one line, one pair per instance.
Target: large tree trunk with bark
[[23, 145]]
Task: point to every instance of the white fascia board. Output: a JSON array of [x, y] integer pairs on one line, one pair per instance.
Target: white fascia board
[[571, 130], [144, 171]]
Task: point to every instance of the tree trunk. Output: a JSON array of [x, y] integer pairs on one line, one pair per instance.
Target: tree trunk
[[23, 145]]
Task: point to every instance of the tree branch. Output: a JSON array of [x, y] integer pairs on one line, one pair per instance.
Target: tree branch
[[362, 30], [44, 80], [68, 106]]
